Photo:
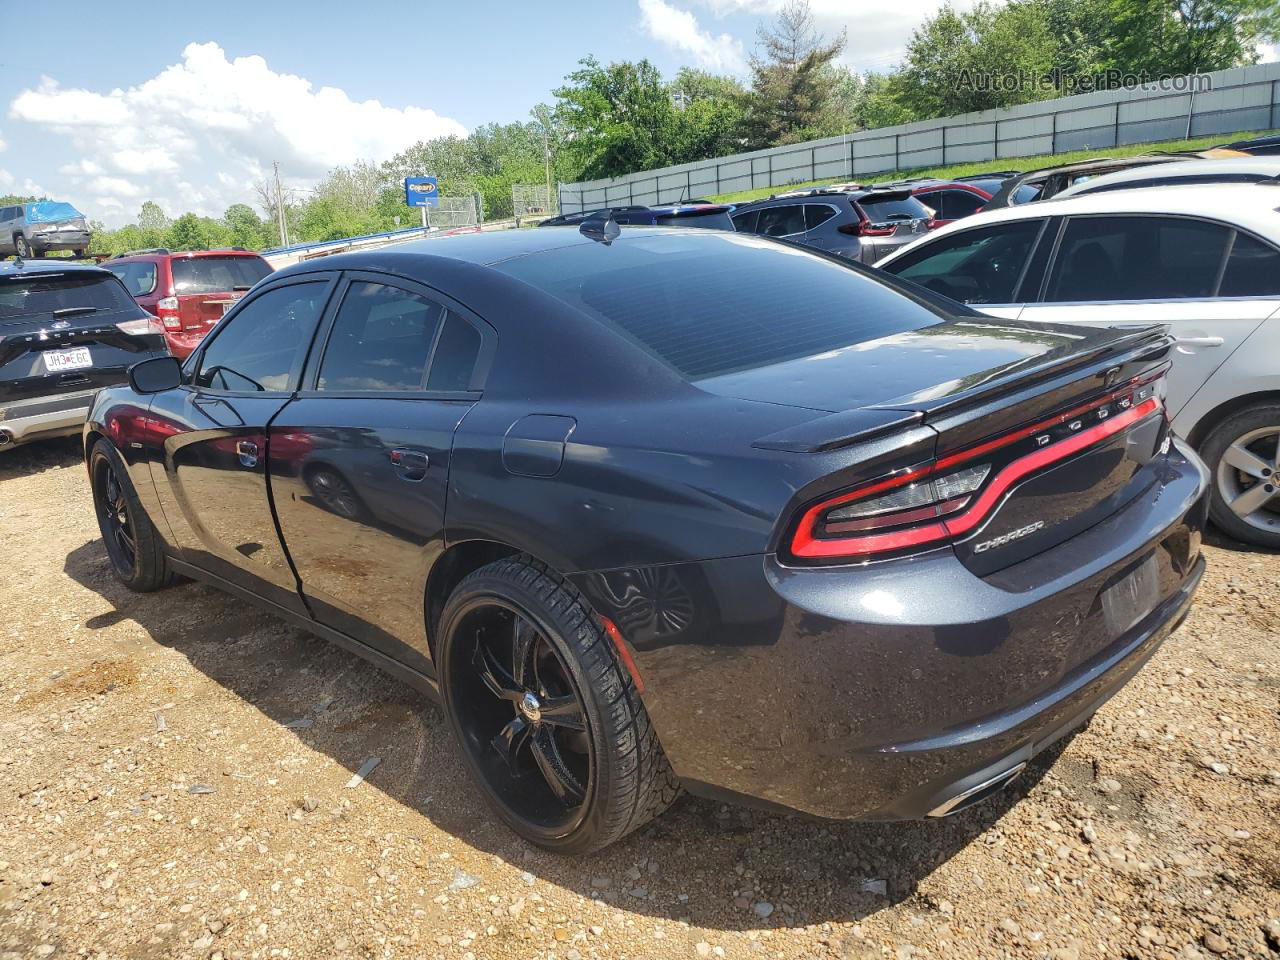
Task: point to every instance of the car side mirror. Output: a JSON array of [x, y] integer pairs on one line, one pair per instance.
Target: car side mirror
[[155, 375]]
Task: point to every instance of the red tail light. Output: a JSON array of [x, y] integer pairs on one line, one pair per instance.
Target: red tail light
[[937, 502], [167, 311]]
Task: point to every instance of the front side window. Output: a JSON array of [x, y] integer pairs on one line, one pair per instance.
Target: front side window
[[261, 346], [381, 340], [1137, 258], [973, 266]]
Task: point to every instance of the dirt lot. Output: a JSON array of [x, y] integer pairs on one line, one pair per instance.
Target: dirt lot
[[174, 782]]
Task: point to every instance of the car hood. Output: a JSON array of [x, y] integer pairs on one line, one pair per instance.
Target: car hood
[[913, 369]]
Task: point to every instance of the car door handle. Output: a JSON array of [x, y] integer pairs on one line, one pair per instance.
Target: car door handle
[[1199, 341], [248, 453], [410, 464]]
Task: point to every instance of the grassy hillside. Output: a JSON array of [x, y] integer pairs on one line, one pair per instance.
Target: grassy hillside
[[1004, 163]]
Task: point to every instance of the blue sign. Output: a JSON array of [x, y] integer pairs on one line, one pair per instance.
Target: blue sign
[[421, 192]]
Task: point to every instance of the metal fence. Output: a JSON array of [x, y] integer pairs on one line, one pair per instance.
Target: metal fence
[[454, 212], [1224, 102], [531, 200]]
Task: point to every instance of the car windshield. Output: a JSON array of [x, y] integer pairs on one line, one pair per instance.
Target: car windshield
[[216, 274], [883, 210], [708, 304], [30, 295]]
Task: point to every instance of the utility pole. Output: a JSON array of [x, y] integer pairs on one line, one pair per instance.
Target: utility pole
[[284, 225]]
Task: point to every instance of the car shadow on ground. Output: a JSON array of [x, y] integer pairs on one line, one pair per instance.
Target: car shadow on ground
[[702, 862], [39, 456]]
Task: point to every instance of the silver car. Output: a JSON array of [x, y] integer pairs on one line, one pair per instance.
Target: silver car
[[32, 229], [1205, 259], [852, 221]]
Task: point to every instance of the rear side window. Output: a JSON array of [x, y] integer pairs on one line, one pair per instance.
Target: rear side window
[[381, 340], [972, 266], [139, 277], [263, 344], [889, 209], [781, 221], [746, 222], [216, 274], [1253, 269], [1137, 258], [67, 294], [455, 358], [816, 214], [710, 304]]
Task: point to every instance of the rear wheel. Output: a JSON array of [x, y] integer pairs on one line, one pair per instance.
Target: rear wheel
[[23, 247], [133, 545], [1243, 451], [549, 720]]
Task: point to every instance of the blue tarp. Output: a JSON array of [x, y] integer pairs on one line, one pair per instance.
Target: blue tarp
[[50, 211]]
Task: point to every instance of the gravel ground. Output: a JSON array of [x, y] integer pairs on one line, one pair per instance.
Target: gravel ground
[[175, 781]]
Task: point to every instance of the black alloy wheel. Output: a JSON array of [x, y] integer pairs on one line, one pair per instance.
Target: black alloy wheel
[[113, 520], [549, 719], [135, 549]]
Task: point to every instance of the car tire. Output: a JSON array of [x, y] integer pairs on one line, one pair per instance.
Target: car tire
[[1243, 456], [22, 248], [79, 254], [516, 640], [134, 548]]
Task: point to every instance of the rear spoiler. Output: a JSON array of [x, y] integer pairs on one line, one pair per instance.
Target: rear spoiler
[[1133, 345]]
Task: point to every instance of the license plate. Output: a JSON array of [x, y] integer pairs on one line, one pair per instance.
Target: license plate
[[1125, 603], [56, 361]]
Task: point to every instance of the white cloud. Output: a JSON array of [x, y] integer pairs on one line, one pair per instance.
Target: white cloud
[[679, 30], [198, 134], [3, 146], [876, 33], [1268, 54], [6, 178]]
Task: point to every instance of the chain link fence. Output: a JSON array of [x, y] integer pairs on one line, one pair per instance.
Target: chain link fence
[[454, 212], [532, 200]]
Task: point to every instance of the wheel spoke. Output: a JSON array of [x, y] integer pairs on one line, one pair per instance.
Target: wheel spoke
[[509, 741], [1248, 462], [523, 641], [498, 681], [547, 755], [1252, 499], [564, 712]]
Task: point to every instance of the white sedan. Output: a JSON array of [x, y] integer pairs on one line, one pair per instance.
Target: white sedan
[[1204, 259]]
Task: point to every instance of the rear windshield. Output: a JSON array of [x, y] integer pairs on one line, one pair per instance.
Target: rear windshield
[[884, 210], [708, 304], [216, 274], [43, 294], [718, 220]]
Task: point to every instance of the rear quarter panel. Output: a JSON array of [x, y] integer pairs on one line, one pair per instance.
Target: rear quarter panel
[[1251, 369]]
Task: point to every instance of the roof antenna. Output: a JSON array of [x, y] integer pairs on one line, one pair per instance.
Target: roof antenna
[[601, 227]]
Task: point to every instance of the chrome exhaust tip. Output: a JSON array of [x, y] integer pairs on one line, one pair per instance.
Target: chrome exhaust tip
[[6, 438], [977, 793]]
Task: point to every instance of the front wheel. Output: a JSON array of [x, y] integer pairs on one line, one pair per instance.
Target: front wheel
[[133, 545], [1243, 452], [549, 720]]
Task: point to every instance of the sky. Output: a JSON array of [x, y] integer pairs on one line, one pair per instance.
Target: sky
[[191, 104]]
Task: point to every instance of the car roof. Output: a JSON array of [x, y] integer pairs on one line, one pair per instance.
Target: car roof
[[1217, 166], [18, 267], [1255, 206], [162, 254]]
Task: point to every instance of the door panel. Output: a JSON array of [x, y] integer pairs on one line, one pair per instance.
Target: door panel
[[1208, 331], [359, 486], [211, 471]]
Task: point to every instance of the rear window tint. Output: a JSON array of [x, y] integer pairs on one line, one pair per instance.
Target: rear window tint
[[139, 277], [216, 274], [710, 221], [885, 210], [711, 304], [30, 295], [1253, 269]]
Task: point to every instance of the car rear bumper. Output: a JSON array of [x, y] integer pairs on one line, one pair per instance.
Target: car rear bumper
[[61, 415], [887, 691], [182, 343]]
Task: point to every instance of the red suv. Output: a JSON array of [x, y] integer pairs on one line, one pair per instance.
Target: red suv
[[189, 292]]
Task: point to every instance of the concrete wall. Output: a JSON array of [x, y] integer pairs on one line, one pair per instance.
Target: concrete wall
[[1227, 102]]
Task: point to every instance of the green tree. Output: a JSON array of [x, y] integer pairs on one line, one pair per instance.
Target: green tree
[[151, 217], [244, 226], [1155, 37], [793, 89], [187, 233]]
